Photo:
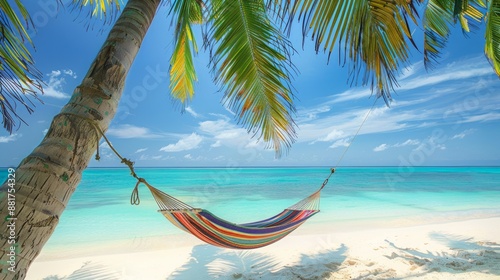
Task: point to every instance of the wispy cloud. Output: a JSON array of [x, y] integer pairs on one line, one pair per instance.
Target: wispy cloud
[[311, 114], [415, 77], [449, 75], [131, 131], [10, 138], [192, 112], [341, 143], [463, 134], [409, 142], [490, 116], [185, 144], [385, 146], [224, 133], [155, 157], [466, 94], [350, 94], [380, 148], [346, 124], [141, 150]]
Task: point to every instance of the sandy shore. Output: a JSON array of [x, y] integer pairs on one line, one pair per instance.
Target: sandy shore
[[456, 250]]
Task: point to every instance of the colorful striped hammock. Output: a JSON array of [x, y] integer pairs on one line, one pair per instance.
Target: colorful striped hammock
[[219, 232]]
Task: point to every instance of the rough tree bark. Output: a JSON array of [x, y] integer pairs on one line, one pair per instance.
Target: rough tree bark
[[32, 201]]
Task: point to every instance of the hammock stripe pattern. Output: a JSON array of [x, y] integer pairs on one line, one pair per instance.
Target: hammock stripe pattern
[[219, 232]]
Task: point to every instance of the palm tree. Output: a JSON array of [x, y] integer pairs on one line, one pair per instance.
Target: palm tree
[[250, 60], [18, 77]]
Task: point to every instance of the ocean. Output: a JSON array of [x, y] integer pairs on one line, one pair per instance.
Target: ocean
[[100, 209]]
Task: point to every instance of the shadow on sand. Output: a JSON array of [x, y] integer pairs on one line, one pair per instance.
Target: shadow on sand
[[208, 262], [464, 255]]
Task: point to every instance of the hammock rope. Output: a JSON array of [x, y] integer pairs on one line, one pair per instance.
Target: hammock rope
[[215, 230]]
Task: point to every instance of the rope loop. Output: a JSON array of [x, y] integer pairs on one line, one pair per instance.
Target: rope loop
[[324, 183], [134, 198]]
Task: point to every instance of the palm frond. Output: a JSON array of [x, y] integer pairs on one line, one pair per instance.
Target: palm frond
[[492, 46], [18, 77], [372, 34], [182, 71], [251, 63], [439, 16], [98, 8]]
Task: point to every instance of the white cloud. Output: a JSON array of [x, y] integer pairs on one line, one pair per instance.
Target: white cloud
[[415, 77], [130, 131], [346, 124], [351, 94], [491, 116], [216, 144], [411, 70], [105, 151], [45, 131], [104, 145], [409, 142], [341, 143], [70, 73], [380, 148], [192, 112], [225, 133], [55, 84], [333, 135], [157, 157], [188, 143], [10, 138], [141, 150], [446, 75], [305, 115], [188, 156], [462, 134]]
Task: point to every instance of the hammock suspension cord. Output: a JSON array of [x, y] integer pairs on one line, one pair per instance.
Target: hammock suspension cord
[[177, 204], [214, 230]]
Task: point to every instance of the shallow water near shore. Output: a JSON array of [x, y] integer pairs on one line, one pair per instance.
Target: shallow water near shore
[[100, 210]]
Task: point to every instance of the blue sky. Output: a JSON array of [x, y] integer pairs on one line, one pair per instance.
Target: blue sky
[[447, 116]]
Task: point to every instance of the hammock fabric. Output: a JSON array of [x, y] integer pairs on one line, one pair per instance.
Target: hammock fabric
[[219, 232]]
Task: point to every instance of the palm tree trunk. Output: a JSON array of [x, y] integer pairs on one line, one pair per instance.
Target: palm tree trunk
[[39, 189]]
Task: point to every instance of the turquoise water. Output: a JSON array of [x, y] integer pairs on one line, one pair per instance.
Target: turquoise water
[[100, 209]]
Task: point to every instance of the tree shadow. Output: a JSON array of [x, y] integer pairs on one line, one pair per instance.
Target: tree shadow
[[209, 262], [90, 270], [464, 255]]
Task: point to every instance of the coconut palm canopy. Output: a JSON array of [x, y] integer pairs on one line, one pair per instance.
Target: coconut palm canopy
[[251, 55], [249, 50]]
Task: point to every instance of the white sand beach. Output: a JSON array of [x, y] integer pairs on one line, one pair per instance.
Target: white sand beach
[[467, 249]]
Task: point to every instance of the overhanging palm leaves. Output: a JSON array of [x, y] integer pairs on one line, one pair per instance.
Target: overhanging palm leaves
[[492, 46], [249, 55], [370, 33], [439, 16], [18, 77], [98, 8], [250, 61], [182, 72]]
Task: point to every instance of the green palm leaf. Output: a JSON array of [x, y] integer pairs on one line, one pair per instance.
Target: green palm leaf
[[492, 46], [18, 77], [439, 16], [182, 71], [371, 33], [250, 62], [98, 8]]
